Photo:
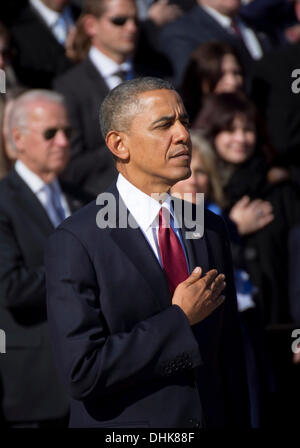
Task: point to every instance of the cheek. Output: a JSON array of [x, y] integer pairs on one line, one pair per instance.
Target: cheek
[[221, 143], [251, 141]]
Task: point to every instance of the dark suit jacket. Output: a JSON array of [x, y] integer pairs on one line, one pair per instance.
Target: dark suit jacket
[[28, 380], [92, 165], [294, 278], [129, 358], [180, 38], [272, 92], [39, 57], [270, 16]]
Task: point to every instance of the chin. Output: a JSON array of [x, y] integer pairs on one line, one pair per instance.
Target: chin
[[182, 174]]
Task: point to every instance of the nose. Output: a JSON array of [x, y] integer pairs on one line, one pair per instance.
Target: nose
[[132, 25], [61, 139], [181, 133], [239, 135]]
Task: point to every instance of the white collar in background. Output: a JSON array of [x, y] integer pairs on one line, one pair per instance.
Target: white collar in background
[[34, 182], [224, 21], [106, 66], [49, 16], [143, 207]]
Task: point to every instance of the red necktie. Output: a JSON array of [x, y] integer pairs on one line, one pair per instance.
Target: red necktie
[[171, 251]]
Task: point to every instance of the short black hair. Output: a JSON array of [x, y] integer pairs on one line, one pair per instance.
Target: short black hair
[[116, 109]]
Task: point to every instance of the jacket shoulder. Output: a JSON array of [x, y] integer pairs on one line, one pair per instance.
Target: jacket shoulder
[[73, 76]]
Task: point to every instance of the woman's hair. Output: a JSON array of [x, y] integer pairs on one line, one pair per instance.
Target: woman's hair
[[82, 42], [220, 110], [218, 114], [209, 160], [4, 33], [203, 72]]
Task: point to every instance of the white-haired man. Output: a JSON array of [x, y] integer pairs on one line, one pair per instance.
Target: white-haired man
[[33, 203]]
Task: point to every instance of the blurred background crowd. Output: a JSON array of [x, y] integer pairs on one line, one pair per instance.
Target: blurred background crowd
[[235, 64]]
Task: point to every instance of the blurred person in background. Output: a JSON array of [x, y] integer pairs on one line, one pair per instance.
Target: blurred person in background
[[211, 20], [230, 123], [278, 18], [214, 67], [39, 35], [241, 220], [108, 37], [8, 142], [32, 203], [6, 56]]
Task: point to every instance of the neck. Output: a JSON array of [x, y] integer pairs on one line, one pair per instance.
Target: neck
[[46, 176], [116, 57], [146, 187]]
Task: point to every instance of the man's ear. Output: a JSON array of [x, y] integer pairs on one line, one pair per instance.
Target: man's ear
[[89, 24], [116, 142], [18, 138]]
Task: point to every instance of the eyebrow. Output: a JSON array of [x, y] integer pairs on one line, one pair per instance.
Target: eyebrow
[[167, 118]]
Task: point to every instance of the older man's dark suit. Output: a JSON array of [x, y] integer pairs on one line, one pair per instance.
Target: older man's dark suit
[[180, 38], [28, 380], [129, 358]]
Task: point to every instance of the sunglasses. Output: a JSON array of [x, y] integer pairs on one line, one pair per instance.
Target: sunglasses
[[51, 132], [121, 20]]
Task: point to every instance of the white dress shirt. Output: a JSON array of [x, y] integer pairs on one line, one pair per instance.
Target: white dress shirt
[[108, 68], [37, 185], [248, 36], [145, 211], [59, 23]]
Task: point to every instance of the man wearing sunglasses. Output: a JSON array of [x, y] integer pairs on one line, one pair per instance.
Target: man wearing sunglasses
[[110, 29], [33, 202]]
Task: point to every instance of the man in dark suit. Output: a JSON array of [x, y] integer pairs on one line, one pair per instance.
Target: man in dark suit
[[33, 203], [277, 95], [143, 336], [111, 28], [210, 20], [39, 33]]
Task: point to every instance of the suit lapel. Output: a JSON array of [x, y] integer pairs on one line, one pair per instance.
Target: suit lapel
[[134, 245], [94, 75], [221, 33], [44, 31], [29, 203]]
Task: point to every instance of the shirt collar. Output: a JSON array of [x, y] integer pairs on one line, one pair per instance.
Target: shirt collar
[[106, 66], [142, 207], [47, 14], [224, 21], [34, 182]]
